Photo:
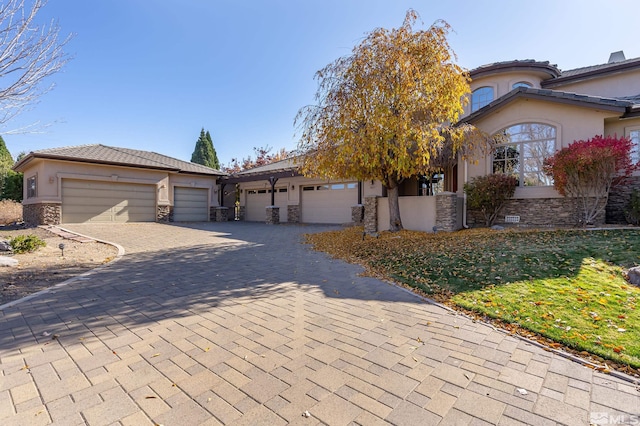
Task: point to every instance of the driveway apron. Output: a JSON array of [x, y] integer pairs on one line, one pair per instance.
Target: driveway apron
[[242, 323]]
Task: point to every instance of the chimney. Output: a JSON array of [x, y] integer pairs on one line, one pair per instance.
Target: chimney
[[616, 57]]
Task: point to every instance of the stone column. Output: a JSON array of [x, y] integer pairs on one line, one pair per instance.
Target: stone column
[[370, 215], [357, 214], [293, 213], [241, 212], [163, 214], [446, 211], [273, 215], [221, 214]]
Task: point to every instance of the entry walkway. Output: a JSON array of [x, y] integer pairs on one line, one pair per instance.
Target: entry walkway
[[240, 323]]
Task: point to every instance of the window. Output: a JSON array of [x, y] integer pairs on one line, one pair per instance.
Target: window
[[634, 135], [308, 188], [32, 188], [521, 84], [337, 186], [352, 185], [322, 187], [523, 152], [481, 97]]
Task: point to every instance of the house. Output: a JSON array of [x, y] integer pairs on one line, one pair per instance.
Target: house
[[297, 199], [98, 183], [538, 109]]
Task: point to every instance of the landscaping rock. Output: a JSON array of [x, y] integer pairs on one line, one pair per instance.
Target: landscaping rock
[[633, 275], [497, 228], [8, 261], [5, 246]]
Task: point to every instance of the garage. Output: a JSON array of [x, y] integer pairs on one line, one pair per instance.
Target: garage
[[328, 203], [259, 199], [100, 201], [190, 204]]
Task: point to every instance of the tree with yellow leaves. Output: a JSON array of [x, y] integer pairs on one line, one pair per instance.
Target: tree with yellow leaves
[[386, 111]]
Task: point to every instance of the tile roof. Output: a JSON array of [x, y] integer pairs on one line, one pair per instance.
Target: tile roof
[[103, 154], [579, 74], [504, 66], [282, 165], [612, 104]]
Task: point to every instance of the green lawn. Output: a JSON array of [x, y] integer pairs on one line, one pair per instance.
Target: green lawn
[[567, 286]]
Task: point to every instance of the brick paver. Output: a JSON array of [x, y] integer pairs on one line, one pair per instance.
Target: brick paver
[[241, 323]]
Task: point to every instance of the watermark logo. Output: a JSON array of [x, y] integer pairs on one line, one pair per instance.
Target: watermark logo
[[605, 418]]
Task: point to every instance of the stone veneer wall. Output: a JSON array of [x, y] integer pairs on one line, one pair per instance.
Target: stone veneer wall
[[447, 211], [42, 214], [164, 214], [219, 214], [370, 215], [357, 214], [293, 213], [273, 215], [619, 198], [536, 212]]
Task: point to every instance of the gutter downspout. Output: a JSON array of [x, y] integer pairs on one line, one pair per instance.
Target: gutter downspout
[[464, 197]]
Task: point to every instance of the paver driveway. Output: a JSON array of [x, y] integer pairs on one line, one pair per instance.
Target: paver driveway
[[239, 323]]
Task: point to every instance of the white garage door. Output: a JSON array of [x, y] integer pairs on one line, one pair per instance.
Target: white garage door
[[259, 199], [328, 203], [190, 204], [97, 201]]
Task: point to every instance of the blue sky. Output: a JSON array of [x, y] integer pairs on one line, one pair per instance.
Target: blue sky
[[150, 74]]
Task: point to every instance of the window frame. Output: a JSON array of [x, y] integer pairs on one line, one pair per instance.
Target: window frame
[[478, 102], [635, 141], [524, 168], [32, 189], [521, 84]]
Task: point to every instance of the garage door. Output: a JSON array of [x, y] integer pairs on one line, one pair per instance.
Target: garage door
[[190, 204], [97, 201], [328, 203], [259, 199]]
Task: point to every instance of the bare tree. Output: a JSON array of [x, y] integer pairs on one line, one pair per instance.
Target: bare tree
[[29, 53]]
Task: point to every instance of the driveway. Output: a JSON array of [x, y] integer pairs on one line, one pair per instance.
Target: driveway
[[240, 323]]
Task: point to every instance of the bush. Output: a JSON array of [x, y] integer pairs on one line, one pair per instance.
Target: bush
[[10, 212], [12, 187], [586, 171], [632, 212], [26, 243], [490, 193]]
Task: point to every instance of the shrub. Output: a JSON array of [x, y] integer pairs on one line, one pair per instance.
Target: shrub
[[26, 243], [10, 212], [632, 212], [12, 187], [586, 171], [490, 193]]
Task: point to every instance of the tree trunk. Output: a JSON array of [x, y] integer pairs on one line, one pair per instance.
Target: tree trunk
[[395, 223]]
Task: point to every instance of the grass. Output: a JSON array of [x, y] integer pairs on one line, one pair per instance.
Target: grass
[[565, 285]]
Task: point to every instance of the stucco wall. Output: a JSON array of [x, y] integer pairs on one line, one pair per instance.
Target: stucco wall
[[417, 213], [613, 85]]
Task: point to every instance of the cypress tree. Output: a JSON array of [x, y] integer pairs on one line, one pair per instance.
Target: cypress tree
[[204, 153], [6, 162], [215, 162]]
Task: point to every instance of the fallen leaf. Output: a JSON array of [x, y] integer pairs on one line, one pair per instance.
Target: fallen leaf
[[26, 367], [150, 397], [523, 391], [207, 349], [306, 414], [415, 359], [155, 355]]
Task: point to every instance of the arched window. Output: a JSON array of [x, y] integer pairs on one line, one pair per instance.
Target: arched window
[[481, 97], [521, 84], [523, 150]]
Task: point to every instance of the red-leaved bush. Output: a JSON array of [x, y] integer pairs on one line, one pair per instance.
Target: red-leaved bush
[[586, 171]]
